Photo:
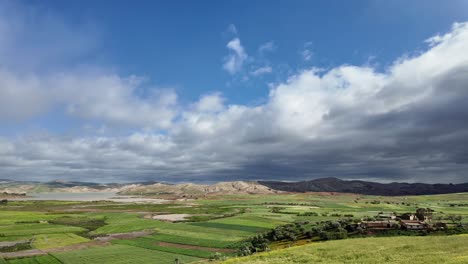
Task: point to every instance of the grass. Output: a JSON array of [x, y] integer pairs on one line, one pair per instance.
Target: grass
[[149, 243], [252, 229], [191, 241], [431, 249], [121, 254], [185, 233], [13, 217], [34, 229], [253, 220], [125, 222], [46, 241], [35, 260]]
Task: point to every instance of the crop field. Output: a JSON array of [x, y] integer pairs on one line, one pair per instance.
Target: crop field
[[35, 260], [65, 232], [121, 254], [186, 240], [46, 241], [432, 249], [151, 243], [35, 229]]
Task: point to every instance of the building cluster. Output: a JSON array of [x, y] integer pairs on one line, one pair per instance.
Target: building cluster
[[405, 221]]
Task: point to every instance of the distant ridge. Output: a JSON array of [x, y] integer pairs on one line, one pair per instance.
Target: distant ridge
[[137, 188], [236, 187], [365, 187], [191, 189]]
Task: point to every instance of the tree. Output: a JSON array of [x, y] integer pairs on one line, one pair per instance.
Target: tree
[[456, 219], [245, 251], [424, 213], [217, 256]]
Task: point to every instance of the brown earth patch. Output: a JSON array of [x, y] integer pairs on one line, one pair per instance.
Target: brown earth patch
[[23, 254], [221, 250], [78, 246]]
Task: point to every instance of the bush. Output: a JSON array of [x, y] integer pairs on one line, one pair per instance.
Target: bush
[[17, 247], [90, 224]]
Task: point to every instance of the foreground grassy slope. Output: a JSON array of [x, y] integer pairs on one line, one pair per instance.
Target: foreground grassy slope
[[415, 250]]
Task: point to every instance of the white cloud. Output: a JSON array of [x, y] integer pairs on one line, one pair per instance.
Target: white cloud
[[234, 61], [232, 29], [97, 96], [22, 97], [408, 122], [307, 52], [267, 47], [210, 103], [261, 71], [36, 78]]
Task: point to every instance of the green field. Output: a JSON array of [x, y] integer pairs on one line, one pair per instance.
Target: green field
[[220, 224], [433, 249], [35, 229], [120, 254], [46, 241], [35, 260], [151, 243]]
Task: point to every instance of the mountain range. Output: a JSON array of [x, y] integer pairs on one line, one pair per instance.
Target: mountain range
[[235, 187], [365, 187]]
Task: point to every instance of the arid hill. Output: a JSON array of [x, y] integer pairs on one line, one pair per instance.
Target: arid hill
[[236, 187], [144, 188]]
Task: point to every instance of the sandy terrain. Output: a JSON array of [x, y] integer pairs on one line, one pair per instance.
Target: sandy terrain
[[171, 217]]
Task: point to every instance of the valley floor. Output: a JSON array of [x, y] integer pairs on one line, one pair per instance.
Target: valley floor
[[217, 227]]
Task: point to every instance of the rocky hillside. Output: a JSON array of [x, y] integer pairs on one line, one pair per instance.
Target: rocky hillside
[[188, 189], [179, 190], [9, 186]]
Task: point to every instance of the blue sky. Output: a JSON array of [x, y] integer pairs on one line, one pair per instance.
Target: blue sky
[[181, 44], [225, 90]]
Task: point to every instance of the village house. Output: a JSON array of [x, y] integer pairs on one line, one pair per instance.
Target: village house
[[410, 217], [385, 216], [413, 225], [384, 224], [406, 221]]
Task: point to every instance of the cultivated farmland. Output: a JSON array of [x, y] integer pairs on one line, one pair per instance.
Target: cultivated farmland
[[218, 227]]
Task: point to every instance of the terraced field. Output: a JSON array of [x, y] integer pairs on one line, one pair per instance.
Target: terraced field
[[121, 254], [46, 241], [36, 229], [154, 244]]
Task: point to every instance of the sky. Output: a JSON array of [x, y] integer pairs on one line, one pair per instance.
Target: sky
[[207, 91]]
